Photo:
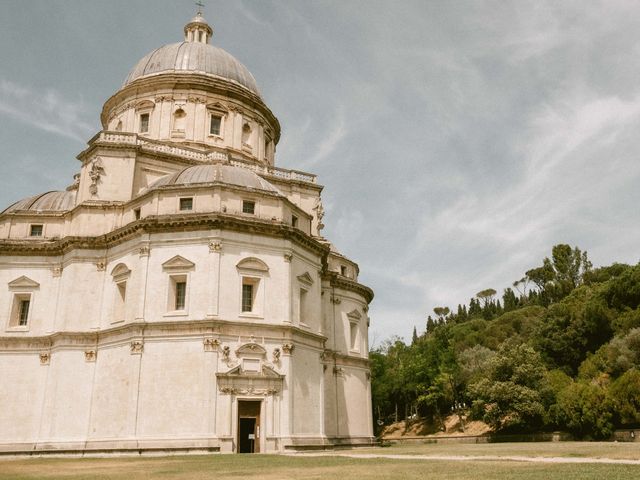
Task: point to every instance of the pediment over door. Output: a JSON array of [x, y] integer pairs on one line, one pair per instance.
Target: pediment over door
[[238, 382]]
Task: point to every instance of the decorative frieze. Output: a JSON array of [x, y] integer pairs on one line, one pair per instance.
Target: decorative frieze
[[137, 347], [248, 391]]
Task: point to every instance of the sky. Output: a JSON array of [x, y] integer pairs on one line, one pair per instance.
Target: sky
[[457, 141]]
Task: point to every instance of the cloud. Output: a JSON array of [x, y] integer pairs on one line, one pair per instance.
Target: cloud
[[48, 110]]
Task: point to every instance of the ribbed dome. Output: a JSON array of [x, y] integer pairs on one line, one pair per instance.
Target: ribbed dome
[[216, 173], [194, 57], [45, 202]]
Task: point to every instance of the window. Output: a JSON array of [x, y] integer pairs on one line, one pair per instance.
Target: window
[[247, 297], [36, 231], [23, 313], [354, 336], [20, 310], [248, 207], [303, 305], [186, 203], [343, 270], [177, 293], [216, 123], [294, 221], [144, 123], [136, 213], [181, 295], [119, 302]]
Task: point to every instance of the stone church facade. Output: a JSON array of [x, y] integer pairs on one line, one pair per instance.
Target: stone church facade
[[179, 294]]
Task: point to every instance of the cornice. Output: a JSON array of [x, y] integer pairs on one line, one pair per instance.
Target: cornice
[[163, 224], [161, 330], [338, 281]]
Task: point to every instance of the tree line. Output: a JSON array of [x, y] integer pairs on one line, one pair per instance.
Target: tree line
[[558, 350]]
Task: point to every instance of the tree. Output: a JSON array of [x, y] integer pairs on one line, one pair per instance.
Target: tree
[[414, 337], [625, 393], [486, 295], [586, 410], [441, 312], [510, 397]]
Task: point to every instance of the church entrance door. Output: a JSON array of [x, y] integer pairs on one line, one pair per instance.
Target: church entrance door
[[248, 426]]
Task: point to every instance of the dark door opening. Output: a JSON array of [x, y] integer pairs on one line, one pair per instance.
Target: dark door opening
[[247, 440], [248, 426]]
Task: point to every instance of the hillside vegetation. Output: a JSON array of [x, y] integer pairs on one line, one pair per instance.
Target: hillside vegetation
[[559, 350]]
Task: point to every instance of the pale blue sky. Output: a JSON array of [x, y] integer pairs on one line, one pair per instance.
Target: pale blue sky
[[457, 140]]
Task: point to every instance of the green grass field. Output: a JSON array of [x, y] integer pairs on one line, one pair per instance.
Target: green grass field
[[335, 467]]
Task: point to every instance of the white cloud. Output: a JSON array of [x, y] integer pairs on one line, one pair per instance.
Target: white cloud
[[50, 111]]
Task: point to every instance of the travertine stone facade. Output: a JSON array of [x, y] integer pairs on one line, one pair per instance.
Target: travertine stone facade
[[179, 294]]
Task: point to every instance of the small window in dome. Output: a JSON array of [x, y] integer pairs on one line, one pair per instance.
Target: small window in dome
[[186, 203], [36, 231], [248, 207], [216, 123], [179, 120], [200, 36], [144, 123]]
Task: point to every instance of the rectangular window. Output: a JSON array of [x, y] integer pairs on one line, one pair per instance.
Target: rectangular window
[[354, 336], [20, 310], [247, 297], [136, 213], [144, 123], [24, 312], [343, 270], [36, 231], [303, 305], [294, 221], [248, 207], [214, 126], [186, 203], [119, 303], [181, 295]]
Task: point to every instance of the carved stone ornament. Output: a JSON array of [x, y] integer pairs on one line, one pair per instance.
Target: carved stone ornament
[[215, 247], [144, 251], [288, 257], [336, 300], [90, 355], [319, 213], [101, 266], [338, 371], [137, 347], [226, 354], [211, 344], [95, 173], [287, 348], [195, 99], [276, 355], [56, 271], [45, 357]]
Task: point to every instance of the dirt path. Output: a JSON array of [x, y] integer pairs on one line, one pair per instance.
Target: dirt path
[[475, 458]]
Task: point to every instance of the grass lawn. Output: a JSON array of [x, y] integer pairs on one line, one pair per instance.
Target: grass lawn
[[630, 451], [280, 467]]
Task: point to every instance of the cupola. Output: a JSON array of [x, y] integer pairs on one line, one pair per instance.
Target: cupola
[[197, 30]]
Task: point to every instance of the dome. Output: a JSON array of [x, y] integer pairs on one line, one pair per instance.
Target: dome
[[216, 173], [194, 57], [45, 202]]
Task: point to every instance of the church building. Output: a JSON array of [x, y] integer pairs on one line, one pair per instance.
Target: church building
[[179, 294]]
